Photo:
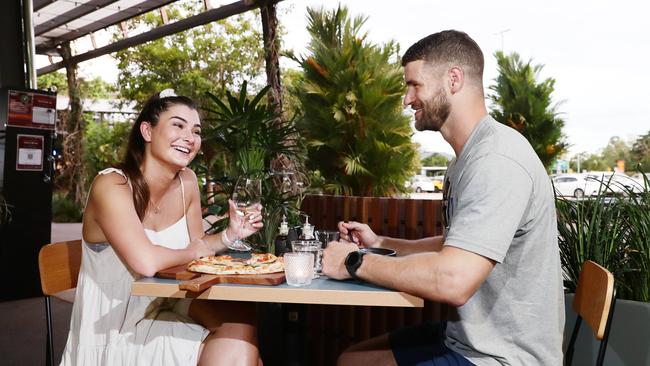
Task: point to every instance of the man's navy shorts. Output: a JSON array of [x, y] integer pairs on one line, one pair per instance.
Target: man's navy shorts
[[424, 345]]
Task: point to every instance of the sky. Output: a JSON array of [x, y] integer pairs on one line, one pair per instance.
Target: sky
[[597, 51]]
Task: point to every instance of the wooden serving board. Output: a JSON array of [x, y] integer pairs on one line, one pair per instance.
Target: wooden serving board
[[203, 282], [177, 273]]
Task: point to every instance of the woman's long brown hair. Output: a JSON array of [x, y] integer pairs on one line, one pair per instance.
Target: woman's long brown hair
[[134, 155]]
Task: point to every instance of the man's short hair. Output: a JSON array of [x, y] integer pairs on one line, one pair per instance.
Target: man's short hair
[[448, 47]]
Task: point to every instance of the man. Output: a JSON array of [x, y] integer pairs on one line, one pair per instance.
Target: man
[[498, 261]]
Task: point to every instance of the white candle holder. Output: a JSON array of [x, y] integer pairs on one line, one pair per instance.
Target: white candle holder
[[299, 268]]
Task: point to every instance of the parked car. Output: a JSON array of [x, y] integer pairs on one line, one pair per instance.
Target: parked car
[[576, 185], [438, 182], [591, 183], [422, 183]]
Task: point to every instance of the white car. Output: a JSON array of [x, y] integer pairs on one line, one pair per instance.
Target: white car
[[422, 183], [576, 185], [590, 184]]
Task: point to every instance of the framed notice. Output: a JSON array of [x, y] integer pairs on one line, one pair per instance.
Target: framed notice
[[31, 110], [29, 154]]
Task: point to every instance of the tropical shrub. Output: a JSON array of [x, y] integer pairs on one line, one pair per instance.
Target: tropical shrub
[[357, 136], [612, 230], [519, 101], [242, 135]]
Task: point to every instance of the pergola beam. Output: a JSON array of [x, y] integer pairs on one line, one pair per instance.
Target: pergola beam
[[212, 15]]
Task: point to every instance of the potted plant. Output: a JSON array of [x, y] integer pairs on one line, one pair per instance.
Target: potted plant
[[612, 229], [243, 135]]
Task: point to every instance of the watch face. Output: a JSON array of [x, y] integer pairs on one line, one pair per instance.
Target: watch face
[[352, 258]]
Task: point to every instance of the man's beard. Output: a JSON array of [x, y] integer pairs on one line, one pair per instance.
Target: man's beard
[[434, 113]]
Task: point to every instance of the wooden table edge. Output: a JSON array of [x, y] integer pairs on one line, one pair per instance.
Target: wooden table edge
[[297, 295]]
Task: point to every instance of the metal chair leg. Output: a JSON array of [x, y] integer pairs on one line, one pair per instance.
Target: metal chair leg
[[49, 349]]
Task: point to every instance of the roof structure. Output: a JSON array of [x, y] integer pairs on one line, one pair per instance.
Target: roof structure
[[59, 21]]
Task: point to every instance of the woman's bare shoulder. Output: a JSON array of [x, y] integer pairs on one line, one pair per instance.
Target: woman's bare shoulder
[[187, 175], [109, 186]]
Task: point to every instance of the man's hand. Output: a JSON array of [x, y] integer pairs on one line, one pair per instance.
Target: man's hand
[[358, 233], [334, 259]]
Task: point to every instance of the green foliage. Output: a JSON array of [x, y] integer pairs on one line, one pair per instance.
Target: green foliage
[[612, 230], [93, 89], [213, 57], [250, 137], [640, 152], [523, 103], [65, 209], [435, 159], [351, 92], [104, 146], [54, 79]]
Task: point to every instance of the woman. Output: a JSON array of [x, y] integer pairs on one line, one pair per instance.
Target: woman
[[142, 218]]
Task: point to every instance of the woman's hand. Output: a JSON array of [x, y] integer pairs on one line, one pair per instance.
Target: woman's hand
[[358, 233], [200, 248], [243, 226]]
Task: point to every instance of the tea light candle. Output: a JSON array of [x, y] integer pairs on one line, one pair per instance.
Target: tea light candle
[[299, 268]]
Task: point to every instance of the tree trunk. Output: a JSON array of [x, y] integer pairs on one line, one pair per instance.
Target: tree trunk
[[72, 174], [271, 46]]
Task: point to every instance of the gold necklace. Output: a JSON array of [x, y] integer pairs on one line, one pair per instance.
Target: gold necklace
[[156, 207]]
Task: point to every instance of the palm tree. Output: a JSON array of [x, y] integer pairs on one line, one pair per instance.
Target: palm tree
[[525, 105], [357, 137]]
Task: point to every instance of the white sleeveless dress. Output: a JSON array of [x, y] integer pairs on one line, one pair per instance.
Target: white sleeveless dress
[[111, 327]]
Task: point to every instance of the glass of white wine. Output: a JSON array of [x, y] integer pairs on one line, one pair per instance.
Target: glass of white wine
[[246, 194]]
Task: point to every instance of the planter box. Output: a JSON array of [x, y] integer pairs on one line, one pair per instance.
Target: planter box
[[629, 338]]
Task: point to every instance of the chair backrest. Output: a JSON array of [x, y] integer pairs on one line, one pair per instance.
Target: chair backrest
[[594, 296], [58, 264]]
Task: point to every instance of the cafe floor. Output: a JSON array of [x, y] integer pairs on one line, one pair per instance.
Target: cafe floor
[[22, 338]]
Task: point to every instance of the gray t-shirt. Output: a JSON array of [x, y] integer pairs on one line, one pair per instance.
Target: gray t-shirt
[[500, 204]]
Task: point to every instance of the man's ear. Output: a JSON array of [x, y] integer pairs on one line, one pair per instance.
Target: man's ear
[[145, 130], [456, 78]]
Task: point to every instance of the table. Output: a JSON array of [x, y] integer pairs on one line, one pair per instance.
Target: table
[[323, 291]]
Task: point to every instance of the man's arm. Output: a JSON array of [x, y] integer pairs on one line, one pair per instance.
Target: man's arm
[[362, 235], [451, 275], [407, 247]]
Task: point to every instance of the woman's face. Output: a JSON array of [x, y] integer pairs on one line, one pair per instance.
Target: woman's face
[[176, 139]]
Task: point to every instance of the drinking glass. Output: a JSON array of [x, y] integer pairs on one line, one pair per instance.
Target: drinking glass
[[313, 247], [247, 193], [299, 268], [327, 236]]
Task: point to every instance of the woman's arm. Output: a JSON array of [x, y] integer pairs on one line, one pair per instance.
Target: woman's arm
[[250, 224], [111, 208]]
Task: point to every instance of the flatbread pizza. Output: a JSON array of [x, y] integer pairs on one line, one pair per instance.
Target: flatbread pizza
[[258, 263]]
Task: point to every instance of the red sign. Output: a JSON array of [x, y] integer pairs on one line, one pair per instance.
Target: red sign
[[31, 110], [29, 154]]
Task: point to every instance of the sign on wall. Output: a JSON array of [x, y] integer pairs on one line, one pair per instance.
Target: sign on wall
[[30, 152], [31, 110]]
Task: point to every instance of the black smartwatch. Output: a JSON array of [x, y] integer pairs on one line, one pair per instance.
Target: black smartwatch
[[353, 262]]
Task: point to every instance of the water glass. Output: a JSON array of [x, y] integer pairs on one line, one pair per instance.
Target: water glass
[[299, 268], [327, 236], [313, 247]]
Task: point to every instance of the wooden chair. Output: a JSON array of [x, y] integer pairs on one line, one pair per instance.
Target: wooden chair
[[58, 264], [594, 302]]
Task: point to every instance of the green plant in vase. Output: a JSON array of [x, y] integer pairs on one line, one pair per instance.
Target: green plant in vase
[[247, 137]]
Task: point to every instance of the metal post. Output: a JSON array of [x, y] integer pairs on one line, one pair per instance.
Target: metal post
[[30, 50]]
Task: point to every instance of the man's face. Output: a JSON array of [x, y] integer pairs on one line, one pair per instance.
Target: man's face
[[426, 95]]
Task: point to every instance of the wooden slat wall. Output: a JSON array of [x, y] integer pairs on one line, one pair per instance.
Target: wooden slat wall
[[331, 329]]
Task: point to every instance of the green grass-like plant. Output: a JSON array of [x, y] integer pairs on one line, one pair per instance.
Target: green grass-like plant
[[612, 229]]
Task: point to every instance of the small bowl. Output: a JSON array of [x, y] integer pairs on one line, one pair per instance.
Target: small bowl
[[380, 251]]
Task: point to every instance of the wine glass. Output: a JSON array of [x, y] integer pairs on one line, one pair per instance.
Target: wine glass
[[246, 194]]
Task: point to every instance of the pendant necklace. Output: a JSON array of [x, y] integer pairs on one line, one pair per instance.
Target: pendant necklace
[[156, 207]]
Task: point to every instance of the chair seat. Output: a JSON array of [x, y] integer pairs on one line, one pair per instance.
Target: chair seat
[[66, 295]]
